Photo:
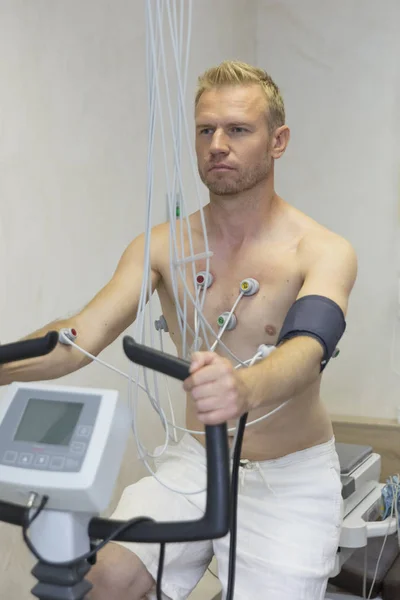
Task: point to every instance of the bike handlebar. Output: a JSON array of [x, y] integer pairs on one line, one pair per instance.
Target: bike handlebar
[[216, 519], [28, 348]]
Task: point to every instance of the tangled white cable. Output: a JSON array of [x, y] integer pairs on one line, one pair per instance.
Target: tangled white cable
[[170, 23]]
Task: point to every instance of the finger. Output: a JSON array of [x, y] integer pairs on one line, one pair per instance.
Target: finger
[[217, 402], [201, 359], [206, 390], [207, 374], [216, 417], [210, 404]]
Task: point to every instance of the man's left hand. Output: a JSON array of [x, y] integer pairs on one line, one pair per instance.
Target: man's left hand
[[217, 389]]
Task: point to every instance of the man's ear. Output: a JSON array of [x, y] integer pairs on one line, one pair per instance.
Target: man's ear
[[280, 141]]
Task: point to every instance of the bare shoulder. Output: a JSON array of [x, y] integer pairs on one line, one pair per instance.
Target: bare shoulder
[[316, 241], [188, 230], [319, 244], [160, 243], [326, 260], [159, 237]]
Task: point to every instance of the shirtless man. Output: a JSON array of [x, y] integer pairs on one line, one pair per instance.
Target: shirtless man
[[290, 499]]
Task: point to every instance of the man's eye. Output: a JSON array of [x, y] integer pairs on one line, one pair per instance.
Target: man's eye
[[238, 129], [206, 130]]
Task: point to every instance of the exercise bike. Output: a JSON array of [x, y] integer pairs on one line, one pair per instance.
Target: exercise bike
[[60, 452]]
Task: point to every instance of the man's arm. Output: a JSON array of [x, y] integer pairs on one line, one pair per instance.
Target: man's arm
[[106, 316], [221, 393], [329, 269]]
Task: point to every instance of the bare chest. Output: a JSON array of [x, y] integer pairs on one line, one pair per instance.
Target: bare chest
[[249, 296]]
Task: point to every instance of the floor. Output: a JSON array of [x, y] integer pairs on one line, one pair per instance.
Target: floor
[[209, 586]]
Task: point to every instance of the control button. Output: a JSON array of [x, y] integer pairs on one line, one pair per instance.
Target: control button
[[10, 457], [25, 459], [72, 464], [78, 447], [84, 431], [42, 460], [57, 462]]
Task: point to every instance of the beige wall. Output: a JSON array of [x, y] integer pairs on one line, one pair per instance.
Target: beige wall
[[73, 141], [337, 65], [73, 144]]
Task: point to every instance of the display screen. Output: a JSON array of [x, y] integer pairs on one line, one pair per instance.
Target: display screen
[[48, 422]]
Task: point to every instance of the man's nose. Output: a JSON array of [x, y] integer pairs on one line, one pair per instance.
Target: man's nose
[[219, 143]]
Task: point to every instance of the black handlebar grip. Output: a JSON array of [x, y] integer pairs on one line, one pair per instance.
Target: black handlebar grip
[[28, 348], [156, 360], [217, 517]]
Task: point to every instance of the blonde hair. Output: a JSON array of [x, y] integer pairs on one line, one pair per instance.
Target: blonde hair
[[232, 72]]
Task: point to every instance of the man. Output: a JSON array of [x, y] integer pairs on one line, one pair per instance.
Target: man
[[289, 513]]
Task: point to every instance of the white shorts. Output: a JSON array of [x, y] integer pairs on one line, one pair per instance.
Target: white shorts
[[289, 519]]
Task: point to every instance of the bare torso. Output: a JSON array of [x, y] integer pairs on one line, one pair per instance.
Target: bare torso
[[275, 263]]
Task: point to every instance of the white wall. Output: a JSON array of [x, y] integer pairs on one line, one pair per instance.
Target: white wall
[[338, 69], [73, 145], [73, 142]]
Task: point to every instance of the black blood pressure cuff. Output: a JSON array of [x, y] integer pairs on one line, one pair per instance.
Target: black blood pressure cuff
[[318, 317]]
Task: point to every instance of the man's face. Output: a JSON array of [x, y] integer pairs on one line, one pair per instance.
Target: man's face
[[232, 140]]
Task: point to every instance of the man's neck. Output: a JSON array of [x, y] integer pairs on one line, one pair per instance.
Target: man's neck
[[238, 218]]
